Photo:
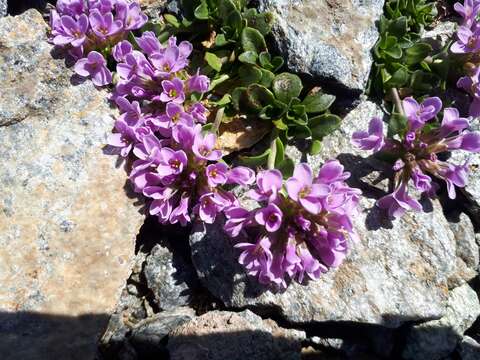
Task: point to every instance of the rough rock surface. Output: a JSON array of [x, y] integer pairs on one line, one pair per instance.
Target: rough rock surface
[[3, 8], [469, 349], [397, 272], [438, 338], [328, 39], [67, 226], [169, 278], [219, 335]]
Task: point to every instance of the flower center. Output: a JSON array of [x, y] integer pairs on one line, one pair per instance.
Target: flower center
[[472, 41], [213, 173], [172, 93], [304, 192], [166, 67], [175, 164], [205, 151]]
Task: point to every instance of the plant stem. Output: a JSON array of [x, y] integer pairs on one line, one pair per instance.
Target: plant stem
[[397, 101], [273, 154]]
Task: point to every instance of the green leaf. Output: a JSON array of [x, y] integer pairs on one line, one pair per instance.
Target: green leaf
[[280, 155], [239, 96], [286, 86], [201, 11], [286, 167], [318, 102], [279, 124], [323, 125], [398, 124], [256, 160], [398, 79], [218, 81], [277, 63], [253, 40], [248, 57], [172, 20], [299, 132], [213, 61], [315, 147], [249, 74], [267, 78], [417, 53], [221, 40], [259, 96], [226, 99]]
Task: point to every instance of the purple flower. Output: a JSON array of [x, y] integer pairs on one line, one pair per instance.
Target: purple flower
[[121, 50], [210, 205], [216, 174], [172, 91], [171, 163], [269, 183], [371, 140], [103, 6], [237, 217], [94, 65], [198, 83], [468, 11], [270, 217], [471, 142], [398, 202], [241, 175], [149, 43], [331, 172], [74, 8], [71, 31], [168, 62], [421, 181], [468, 41], [104, 25], [452, 122], [199, 112], [418, 114], [332, 248], [454, 175], [203, 147], [161, 205], [130, 15], [300, 187], [257, 259], [180, 213]]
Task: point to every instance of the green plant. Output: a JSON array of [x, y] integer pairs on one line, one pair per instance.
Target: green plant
[[401, 59], [246, 78]]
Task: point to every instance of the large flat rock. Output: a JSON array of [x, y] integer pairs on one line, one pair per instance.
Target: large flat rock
[[398, 271], [330, 40], [67, 226]]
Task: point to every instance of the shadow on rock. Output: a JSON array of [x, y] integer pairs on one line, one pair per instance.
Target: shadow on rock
[[36, 336]]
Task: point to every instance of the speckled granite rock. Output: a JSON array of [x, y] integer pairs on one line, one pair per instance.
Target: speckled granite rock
[[328, 39], [67, 226], [3, 8], [169, 278], [397, 272], [219, 335], [438, 338]]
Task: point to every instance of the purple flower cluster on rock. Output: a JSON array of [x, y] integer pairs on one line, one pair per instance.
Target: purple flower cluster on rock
[[468, 43], [416, 152], [302, 226], [89, 29]]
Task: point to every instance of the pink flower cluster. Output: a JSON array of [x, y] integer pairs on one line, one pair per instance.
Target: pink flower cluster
[[89, 29], [417, 152], [176, 165], [301, 228], [468, 42]]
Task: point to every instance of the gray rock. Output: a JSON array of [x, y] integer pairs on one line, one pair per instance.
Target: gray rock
[[219, 335], [67, 226], [330, 40], [397, 272], [3, 8], [467, 248], [169, 277], [469, 349], [439, 338], [148, 334], [440, 35]]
